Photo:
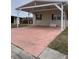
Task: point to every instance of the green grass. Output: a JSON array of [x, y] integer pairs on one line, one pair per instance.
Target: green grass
[[61, 42], [20, 25]]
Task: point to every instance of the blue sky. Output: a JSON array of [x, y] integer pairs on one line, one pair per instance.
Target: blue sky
[[17, 3]]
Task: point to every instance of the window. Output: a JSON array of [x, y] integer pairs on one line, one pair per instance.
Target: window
[[53, 17], [38, 16]]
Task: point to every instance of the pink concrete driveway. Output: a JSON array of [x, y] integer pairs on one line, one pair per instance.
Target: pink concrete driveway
[[34, 39]]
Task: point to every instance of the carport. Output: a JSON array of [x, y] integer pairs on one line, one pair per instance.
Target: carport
[[35, 39], [38, 6]]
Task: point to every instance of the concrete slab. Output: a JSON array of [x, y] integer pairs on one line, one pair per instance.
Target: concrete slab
[[34, 39], [48, 53], [52, 54], [17, 53]]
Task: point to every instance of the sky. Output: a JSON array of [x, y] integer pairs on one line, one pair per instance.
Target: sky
[[17, 3]]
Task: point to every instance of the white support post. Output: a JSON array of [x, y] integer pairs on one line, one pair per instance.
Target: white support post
[[34, 19], [62, 20], [65, 20], [18, 20], [62, 15]]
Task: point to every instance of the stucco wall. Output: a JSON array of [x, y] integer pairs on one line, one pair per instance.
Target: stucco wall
[[58, 23], [47, 19]]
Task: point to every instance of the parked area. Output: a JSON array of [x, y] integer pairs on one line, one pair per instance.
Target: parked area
[[34, 39]]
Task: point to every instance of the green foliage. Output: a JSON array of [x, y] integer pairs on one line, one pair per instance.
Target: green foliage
[[61, 42]]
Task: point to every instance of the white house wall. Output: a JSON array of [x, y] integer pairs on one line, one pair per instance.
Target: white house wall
[[47, 19]]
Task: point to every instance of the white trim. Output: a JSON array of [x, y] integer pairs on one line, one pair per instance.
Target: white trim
[[58, 7], [45, 9], [39, 6]]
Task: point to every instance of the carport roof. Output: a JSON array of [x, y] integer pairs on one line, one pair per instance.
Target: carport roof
[[53, 0], [37, 5]]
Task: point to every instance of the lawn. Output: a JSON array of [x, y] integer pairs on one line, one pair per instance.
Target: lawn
[[20, 25], [61, 42]]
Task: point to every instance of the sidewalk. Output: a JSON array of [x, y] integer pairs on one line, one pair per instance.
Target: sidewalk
[[48, 53], [52, 54], [17, 53]]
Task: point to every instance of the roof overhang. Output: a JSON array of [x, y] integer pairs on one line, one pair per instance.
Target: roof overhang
[[39, 6]]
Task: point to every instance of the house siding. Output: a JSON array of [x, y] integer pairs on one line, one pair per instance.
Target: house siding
[[47, 19], [52, 0]]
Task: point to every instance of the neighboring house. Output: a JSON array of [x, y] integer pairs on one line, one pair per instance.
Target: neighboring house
[[48, 12], [23, 20]]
